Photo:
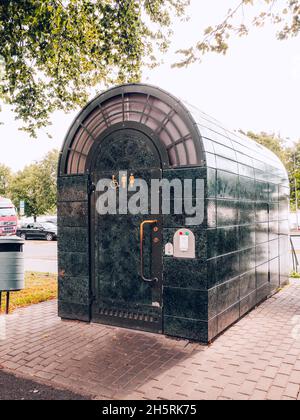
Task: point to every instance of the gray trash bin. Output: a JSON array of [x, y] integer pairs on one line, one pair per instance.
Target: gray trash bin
[[11, 264], [12, 276]]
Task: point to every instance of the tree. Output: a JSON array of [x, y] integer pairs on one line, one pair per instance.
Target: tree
[[285, 15], [48, 173], [53, 52], [36, 185], [290, 157], [5, 178], [271, 142], [293, 166]]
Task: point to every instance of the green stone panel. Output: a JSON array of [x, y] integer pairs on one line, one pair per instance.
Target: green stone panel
[[247, 283], [73, 311], [187, 274], [72, 188], [73, 239], [228, 317], [74, 290], [185, 303], [247, 303], [73, 214], [228, 294], [187, 328]]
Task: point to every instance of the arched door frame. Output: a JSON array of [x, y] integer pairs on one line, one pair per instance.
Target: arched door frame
[[95, 150]]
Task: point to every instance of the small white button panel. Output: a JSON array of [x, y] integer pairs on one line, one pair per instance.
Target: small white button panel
[[184, 244], [169, 250]]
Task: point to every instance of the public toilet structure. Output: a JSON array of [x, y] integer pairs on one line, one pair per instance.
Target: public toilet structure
[[167, 273]]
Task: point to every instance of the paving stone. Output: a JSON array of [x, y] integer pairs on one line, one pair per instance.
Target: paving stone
[[295, 377], [258, 395], [264, 384], [292, 390], [256, 359], [281, 380]]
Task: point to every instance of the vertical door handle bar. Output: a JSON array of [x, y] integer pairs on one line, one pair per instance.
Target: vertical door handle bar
[[146, 222]]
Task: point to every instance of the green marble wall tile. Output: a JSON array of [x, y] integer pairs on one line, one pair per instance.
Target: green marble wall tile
[[228, 317], [186, 328], [263, 293], [185, 303], [247, 260], [247, 283], [73, 311], [73, 239], [73, 214], [262, 233], [247, 189], [273, 249], [74, 290], [262, 253], [274, 273], [227, 240], [227, 185], [262, 275], [187, 274], [72, 188], [247, 303], [212, 303], [228, 294], [246, 212], [74, 264], [247, 236], [227, 213], [211, 183], [227, 267]]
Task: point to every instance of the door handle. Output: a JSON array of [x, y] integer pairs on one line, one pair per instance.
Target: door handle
[[146, 222]]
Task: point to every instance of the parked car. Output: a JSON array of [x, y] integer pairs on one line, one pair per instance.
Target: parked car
[[46, 231], [8, 217]]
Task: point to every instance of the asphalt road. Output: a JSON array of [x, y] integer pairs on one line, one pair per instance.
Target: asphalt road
[[14, 388], [41, 256]]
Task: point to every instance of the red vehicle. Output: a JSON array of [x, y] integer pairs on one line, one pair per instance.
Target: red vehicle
[[8, 217]]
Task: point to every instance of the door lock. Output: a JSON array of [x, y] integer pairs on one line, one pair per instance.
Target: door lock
[[146, 222]]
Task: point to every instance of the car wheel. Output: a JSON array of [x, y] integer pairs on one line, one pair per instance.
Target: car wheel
[[49, 237], [23, 236]]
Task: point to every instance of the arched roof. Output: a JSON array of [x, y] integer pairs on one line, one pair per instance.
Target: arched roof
[[161, 113], [228, 150], [190, 137]]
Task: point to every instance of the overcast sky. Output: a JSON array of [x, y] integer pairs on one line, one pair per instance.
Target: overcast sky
[[256, 86]]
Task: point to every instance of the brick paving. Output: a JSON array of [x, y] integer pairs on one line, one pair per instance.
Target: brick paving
[[258, 358]]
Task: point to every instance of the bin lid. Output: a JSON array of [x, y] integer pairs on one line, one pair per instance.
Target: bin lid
[[11, 240]]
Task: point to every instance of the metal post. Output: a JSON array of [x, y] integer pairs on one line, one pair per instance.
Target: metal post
[[7, 302], [294, 256], [296, 195], [0, 302]]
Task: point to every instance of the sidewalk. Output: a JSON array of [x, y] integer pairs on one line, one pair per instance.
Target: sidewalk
[[258, 358]]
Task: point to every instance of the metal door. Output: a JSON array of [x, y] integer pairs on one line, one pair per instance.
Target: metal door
[[128, 267], [127, 249]]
